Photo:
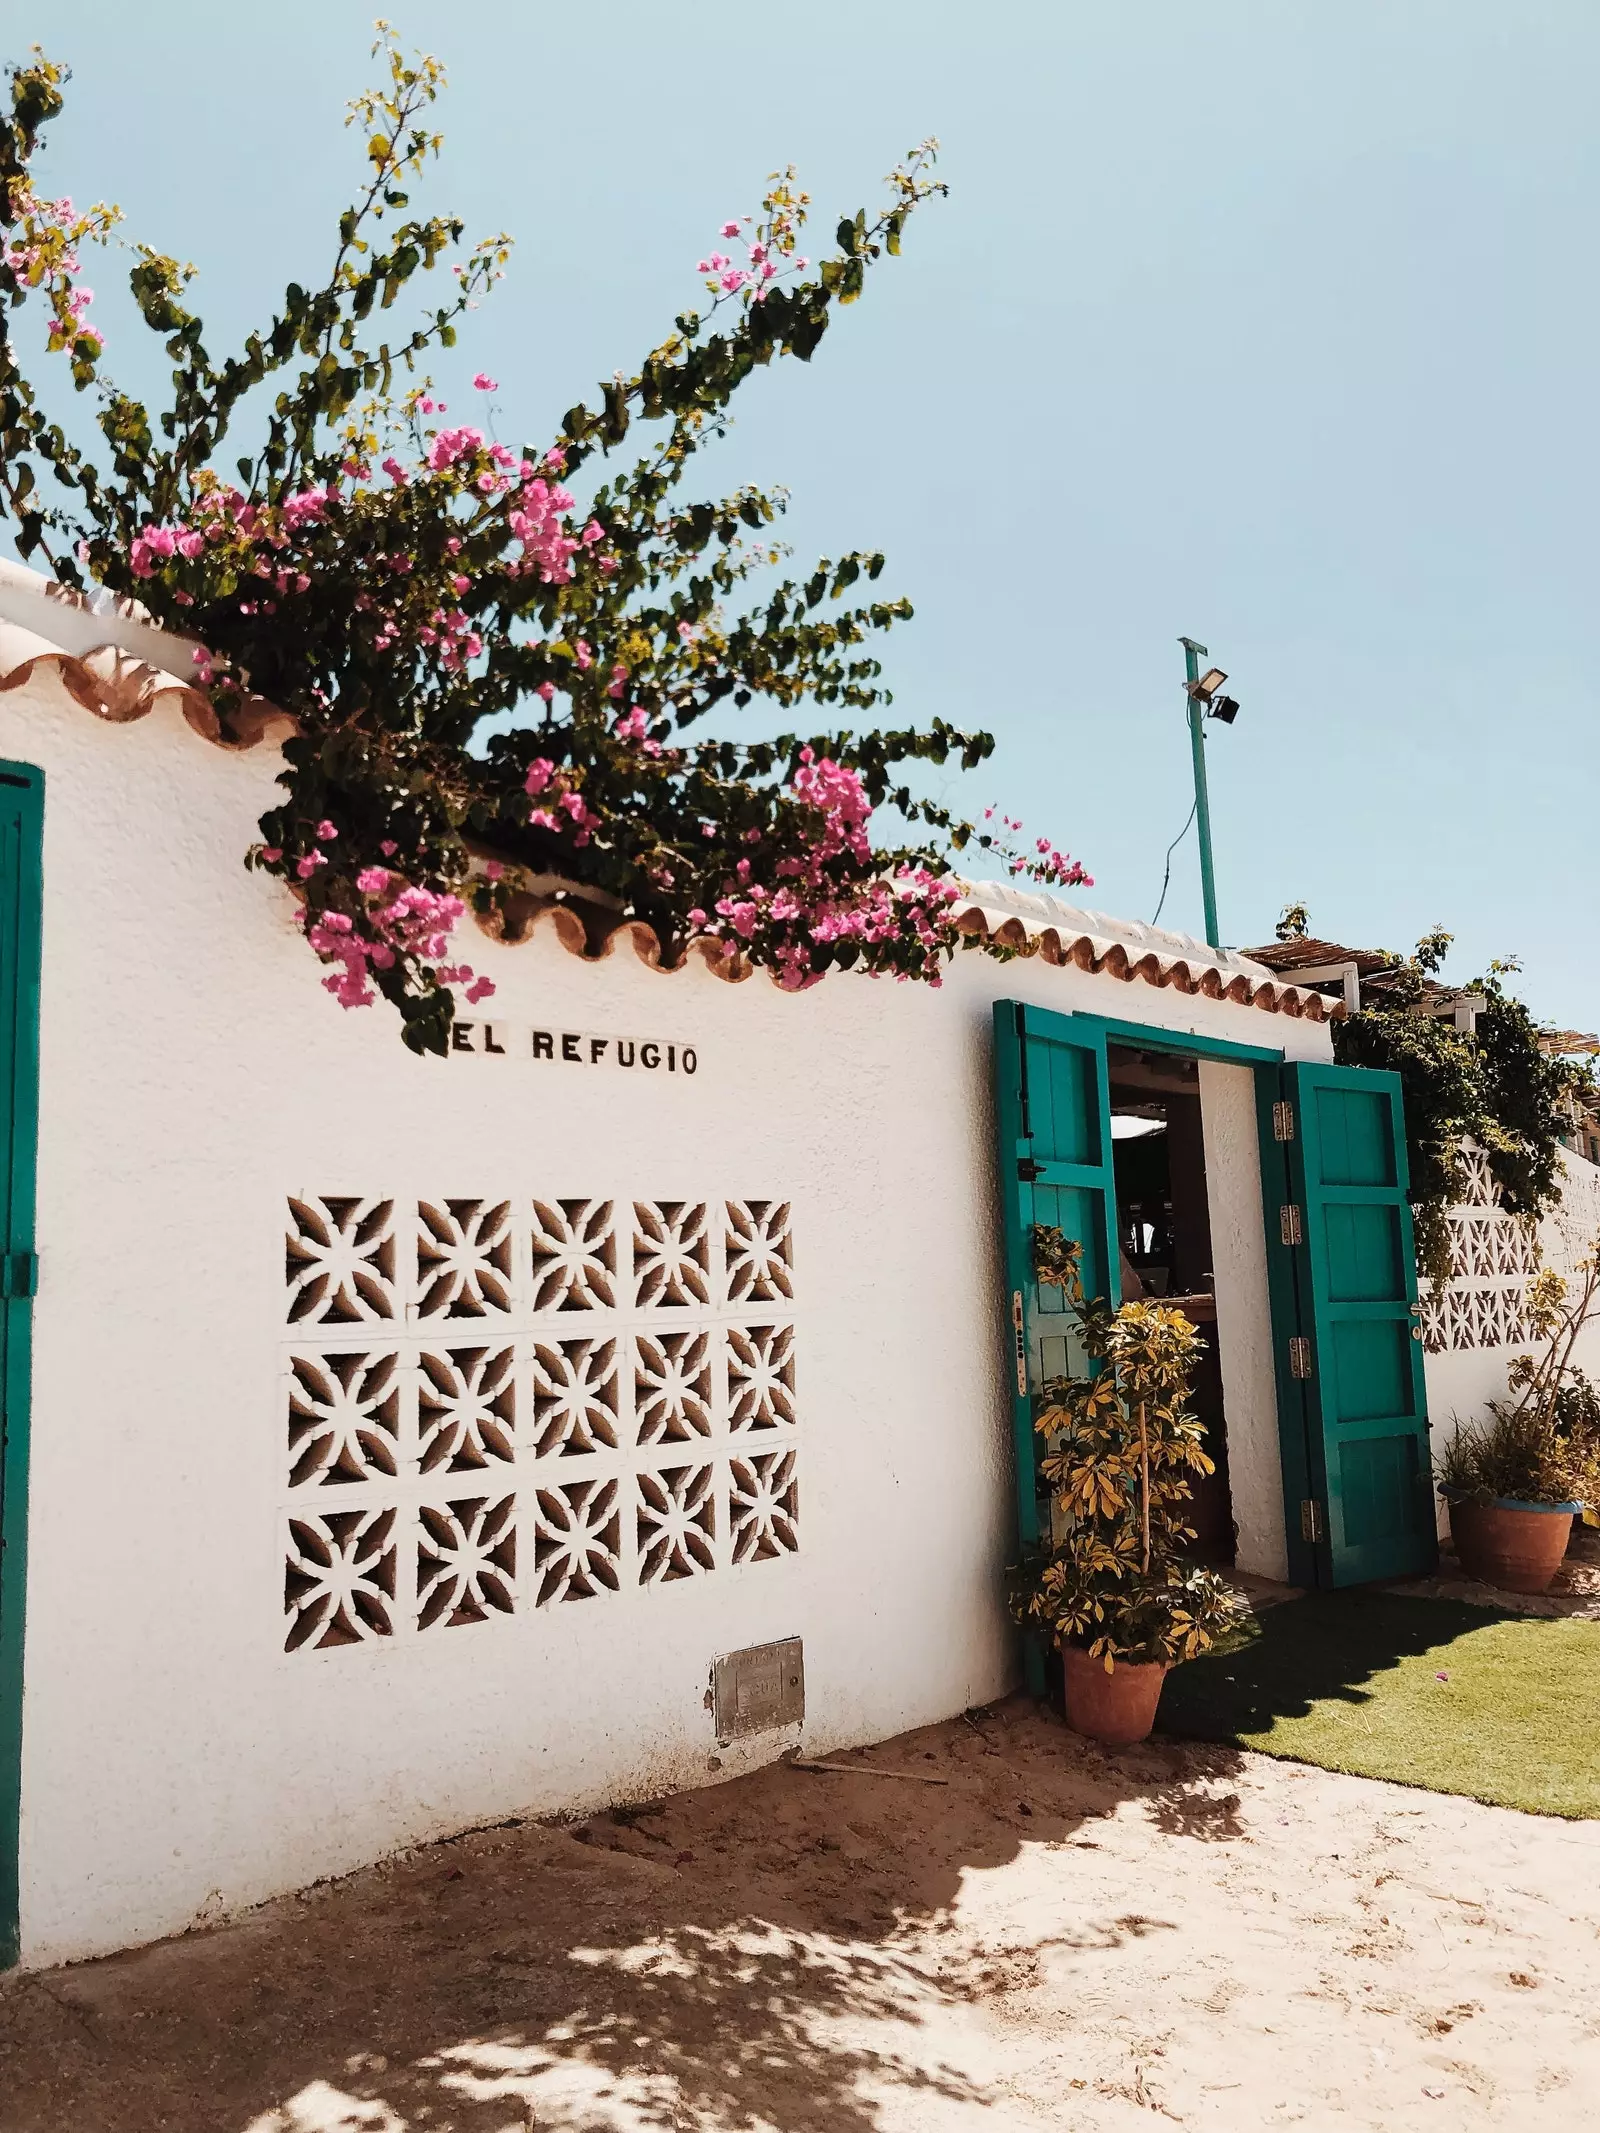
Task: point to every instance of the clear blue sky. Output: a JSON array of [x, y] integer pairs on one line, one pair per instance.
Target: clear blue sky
[[1270, 323]]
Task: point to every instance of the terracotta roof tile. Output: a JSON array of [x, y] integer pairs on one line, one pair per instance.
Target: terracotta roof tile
[[112, 661], [587, 927]]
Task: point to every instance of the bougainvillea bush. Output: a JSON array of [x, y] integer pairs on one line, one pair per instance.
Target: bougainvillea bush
[[495, 684]]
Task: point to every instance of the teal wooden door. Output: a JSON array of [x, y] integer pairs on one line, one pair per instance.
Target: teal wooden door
[[1053, 1114], [1357, 1358], [21, 826]]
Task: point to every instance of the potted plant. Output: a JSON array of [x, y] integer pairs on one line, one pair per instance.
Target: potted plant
[[1114, 1589], [1515, 1480]]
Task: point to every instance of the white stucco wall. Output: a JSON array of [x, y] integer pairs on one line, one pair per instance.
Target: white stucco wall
[[1244, 1315], [178, 1762]]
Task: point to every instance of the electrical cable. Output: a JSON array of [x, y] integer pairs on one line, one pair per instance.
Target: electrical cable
[[1166, 879]]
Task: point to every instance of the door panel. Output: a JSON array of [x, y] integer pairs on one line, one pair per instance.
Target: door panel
[[21, 826], [1366, 1255], [1053, 1113], [1356, 1279], [1370, 1371], [1063, 1098], [1377, 1479], [1353, 1133]]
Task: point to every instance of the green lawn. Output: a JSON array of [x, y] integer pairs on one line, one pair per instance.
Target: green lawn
[[1350, 1681]]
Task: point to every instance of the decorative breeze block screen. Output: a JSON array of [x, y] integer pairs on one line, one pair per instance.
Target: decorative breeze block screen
[[1494, 1255], [492, 1406]]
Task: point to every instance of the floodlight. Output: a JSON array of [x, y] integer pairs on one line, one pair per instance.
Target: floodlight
[[1208, 684], [1226, 708]]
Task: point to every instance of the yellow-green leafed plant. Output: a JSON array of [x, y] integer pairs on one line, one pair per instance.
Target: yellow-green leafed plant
[[1123, 1453]]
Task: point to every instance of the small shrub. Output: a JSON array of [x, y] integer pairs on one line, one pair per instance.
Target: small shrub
[[1542, 1444], [1513, 1452], [1123, 1454]]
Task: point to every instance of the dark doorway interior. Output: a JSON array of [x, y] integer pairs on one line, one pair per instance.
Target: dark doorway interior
[[1164, 1228]]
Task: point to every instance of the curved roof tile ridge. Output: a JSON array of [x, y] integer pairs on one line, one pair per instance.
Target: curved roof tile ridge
[[1034, 922], [113, 660], [1037, 909]]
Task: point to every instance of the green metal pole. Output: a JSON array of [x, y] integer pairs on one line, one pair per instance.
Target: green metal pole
[[1192, 655]]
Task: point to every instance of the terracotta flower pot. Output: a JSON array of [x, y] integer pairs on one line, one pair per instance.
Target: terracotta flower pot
[[1517, 1546], [1118, 1708]]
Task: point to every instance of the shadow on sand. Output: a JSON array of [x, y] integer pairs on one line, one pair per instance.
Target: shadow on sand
[[764, 1953]]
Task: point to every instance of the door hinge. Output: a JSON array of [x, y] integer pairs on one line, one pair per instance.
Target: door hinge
[[1310, 1519], [1021, 1340], [1283, 1122], [1299, 1356], [19, 1274], [1289, 1226], [1028, 1170]]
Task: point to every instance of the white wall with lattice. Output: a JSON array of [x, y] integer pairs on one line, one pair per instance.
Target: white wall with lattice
[[492, 1405], [410, 1435], [1475, 1323]]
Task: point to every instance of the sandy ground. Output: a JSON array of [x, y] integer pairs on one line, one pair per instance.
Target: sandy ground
[[1053, 1937]]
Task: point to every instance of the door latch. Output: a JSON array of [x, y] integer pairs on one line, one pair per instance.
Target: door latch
[[20, 1274], [1028, 1170], [1021, 1339]]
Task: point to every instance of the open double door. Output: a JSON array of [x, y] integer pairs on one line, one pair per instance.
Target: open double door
[[1347, 1347]]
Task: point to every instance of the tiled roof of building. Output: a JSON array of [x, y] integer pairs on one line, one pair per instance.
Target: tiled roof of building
[[1305, 954]]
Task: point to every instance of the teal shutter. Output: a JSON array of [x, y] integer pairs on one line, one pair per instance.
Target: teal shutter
[[21, 827], [1354, 1371], [1053, 1113]]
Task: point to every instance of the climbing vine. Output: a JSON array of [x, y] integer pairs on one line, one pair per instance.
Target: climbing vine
[[1497, 1086], [494, 683]]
